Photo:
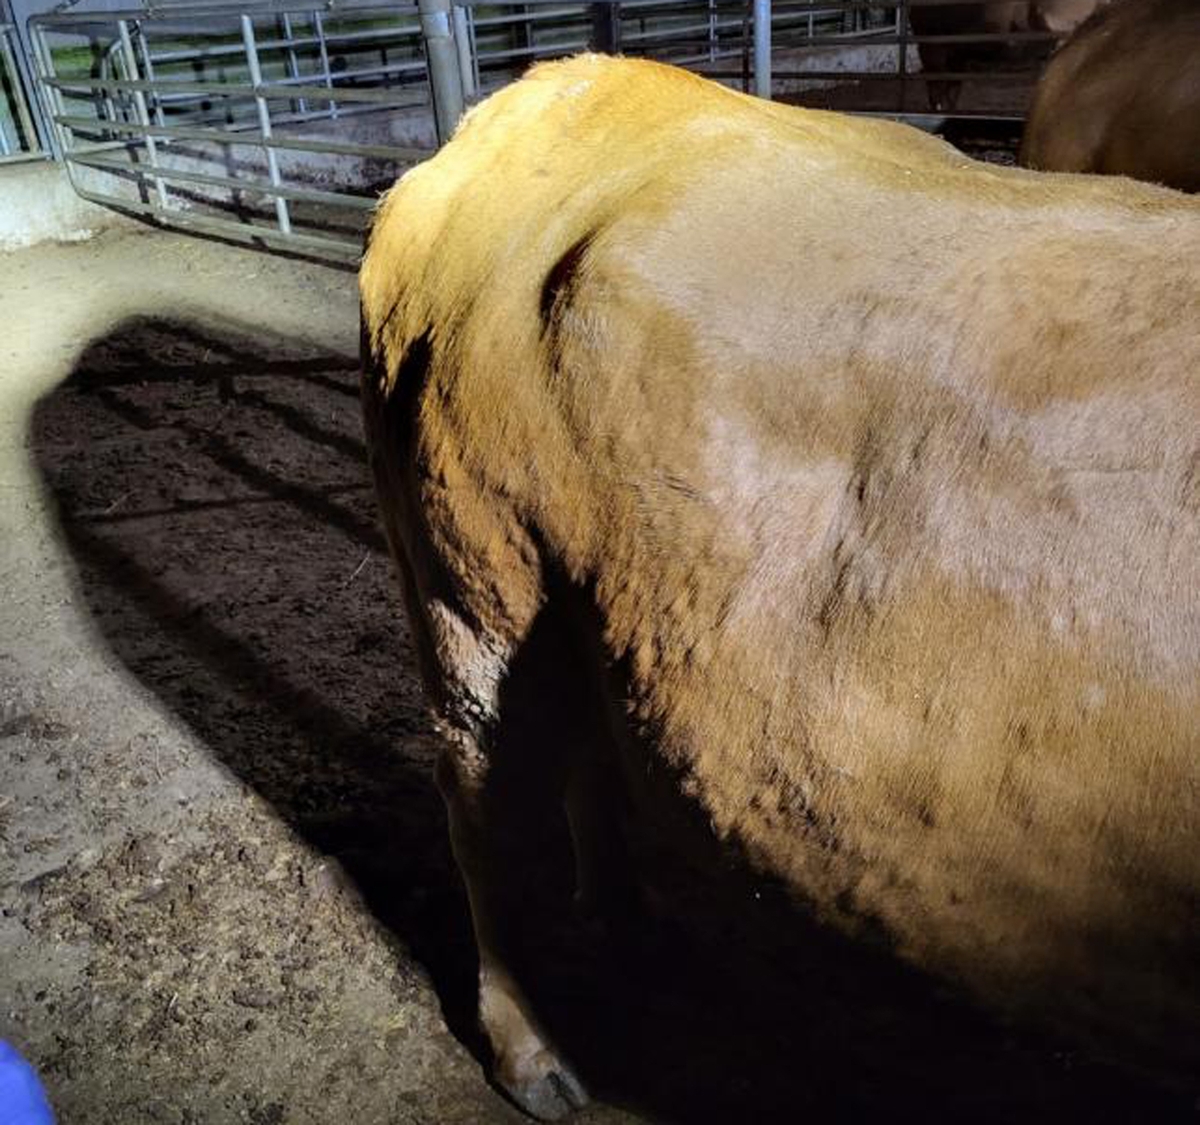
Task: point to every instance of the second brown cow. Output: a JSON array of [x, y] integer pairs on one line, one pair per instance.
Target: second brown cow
[[985, 25], [1122, 97]]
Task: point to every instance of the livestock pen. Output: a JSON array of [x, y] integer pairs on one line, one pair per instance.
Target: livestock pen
[[280, 123], [226, 892]]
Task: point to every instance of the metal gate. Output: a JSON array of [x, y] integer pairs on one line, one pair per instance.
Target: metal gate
[[274, 122], [278, 121]]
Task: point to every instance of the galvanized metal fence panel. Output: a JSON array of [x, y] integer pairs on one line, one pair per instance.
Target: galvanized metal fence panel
[[237, 121], [278, 121]]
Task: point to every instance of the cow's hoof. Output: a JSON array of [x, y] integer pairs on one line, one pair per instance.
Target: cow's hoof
[[542, 1086]]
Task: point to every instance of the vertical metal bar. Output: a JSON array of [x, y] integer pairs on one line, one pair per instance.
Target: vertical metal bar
[[327, 74], [8, 68], [139, 103], [462, 41], [45, 135], [523, 31], [762, 48], [148, 71], [746, 12], [24, 119], [606, 27], [441, 58], [109, 70], [712, 30], [902, 32], [293, 65], [5, 147], [475, 79], [264, 122], [52, 101]]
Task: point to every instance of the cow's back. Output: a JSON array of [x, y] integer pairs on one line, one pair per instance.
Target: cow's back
[[882, 468]]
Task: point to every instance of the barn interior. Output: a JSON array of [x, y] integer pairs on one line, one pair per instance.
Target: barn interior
[[226, 890]]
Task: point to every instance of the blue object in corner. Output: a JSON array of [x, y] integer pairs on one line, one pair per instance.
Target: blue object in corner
[[22, 1099]]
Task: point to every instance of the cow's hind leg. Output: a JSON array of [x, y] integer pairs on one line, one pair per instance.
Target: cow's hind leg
[[505, 786], [496, 854], [605, 891]]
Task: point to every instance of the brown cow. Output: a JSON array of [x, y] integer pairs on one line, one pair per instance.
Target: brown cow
[[841, 489], [1123, 97], [992, 18]]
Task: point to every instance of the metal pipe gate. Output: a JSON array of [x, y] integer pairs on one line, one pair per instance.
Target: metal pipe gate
[[278, 121], [238, 121]]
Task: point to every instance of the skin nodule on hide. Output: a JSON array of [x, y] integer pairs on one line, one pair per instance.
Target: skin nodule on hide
[[878, 470]]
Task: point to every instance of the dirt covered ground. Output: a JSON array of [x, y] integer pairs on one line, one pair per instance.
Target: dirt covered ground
[[225, 889], [198, 789]]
